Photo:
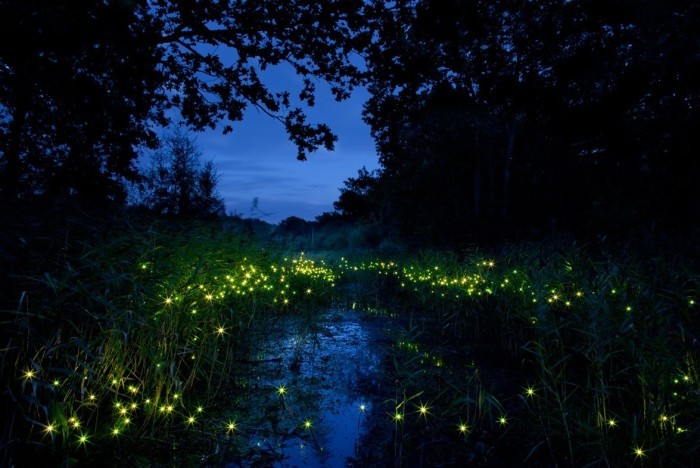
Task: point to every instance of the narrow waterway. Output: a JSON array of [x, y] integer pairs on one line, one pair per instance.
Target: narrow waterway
[[313, 388]]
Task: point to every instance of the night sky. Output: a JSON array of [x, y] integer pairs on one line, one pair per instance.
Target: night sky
[[258, 160]]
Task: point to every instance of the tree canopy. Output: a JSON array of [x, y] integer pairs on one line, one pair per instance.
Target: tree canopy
[[506, 116], [82, 83], [489, 115]]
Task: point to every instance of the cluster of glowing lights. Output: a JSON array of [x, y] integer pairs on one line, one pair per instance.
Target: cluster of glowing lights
[[296, 280]]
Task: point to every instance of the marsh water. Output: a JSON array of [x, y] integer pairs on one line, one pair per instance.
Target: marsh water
[[312, 388]]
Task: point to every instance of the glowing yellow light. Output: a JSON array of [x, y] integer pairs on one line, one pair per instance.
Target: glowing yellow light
[[123, 411], [639, 452], [176, 396], [628, 308], [231, 427], [579, 293], [200, 409], [50, 428], [220, 331], [133, 389], [83, 439], [663, 418], [281, 390], [363, 407], [691, 302], [462, 428], [397, 417], [530, 391], [74, 422], [29, 374], [686, 378], [133, 406], [116, 431], [191, 420], [423, 410], [92, 397], [168, 301], [502, 420], [126, 421], [209, 297], [611, 422], [307, 424], [56, 383]]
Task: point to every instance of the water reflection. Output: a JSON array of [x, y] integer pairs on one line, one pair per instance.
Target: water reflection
[[323, 370]]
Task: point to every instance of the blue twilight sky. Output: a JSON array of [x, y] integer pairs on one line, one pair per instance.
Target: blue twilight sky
[[257, 159]]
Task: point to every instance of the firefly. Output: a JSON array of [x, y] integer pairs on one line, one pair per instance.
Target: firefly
[[231, 427], [83, 439]]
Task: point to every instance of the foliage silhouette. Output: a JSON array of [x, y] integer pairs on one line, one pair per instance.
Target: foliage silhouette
[[82, 84], [532, 119], [178, 185]]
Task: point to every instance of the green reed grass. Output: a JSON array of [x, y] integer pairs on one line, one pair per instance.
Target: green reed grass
[[606, 346], [133, 330], [115, 338]]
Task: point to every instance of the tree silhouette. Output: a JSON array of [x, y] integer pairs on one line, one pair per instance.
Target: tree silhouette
[[495, 117], [82, 82], [178, 185], [358, 199]]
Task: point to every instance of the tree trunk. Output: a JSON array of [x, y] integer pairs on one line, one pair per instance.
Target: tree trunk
[[510, 135], [477, 178], [9, 191]]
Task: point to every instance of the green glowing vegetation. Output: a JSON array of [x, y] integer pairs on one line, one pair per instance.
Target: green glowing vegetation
[[574, 360]]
